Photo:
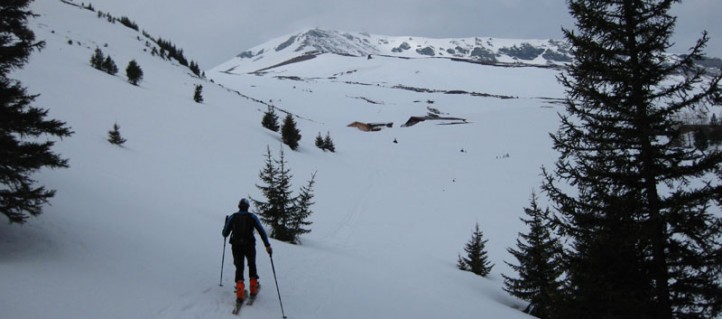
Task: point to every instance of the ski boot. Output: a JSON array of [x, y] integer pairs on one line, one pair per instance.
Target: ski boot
[[254, 287], [240, 291]]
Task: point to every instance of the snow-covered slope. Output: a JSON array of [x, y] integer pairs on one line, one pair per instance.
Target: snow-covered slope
[[134, 231], [310, 43]]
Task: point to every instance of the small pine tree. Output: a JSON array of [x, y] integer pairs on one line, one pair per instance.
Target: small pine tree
[[270, 119], [96, 60], [328, 143], [134, 72], [275, 211], [319, 142], [289, 133], [267, 211], [301, 210], [198, 95], [539, 267], [114, 136], [476, 259], [109, 66]]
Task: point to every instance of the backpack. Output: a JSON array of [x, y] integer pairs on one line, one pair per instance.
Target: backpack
[[242, 229]]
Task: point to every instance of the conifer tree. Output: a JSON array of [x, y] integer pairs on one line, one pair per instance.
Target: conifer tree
[[301, 211], [287, 216], [109, 66], [198, 94], [134, 72], [276, 188], [268, 210], [328, 143], [476, 259], [539, 268], [22, 150], [270, 119], [289, 133], [643, 239], [319, 142], [285, 200], [195, 69], [96, 60], [114, 136]]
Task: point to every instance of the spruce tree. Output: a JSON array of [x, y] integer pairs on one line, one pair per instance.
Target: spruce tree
[[328, 143], [301, 211], [114, 136], [276, 188], [22, 150], [643, 239], [134, 72], [287, 216], [96, 60], [289, 133], [198, 94], [476, 259], [266, 210], [539, 264], [109, 66], [285, 200], [195, 69], [319, 142], [270, 119]]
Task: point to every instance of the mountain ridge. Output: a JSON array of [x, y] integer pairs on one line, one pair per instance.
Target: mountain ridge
[[309, 43], [316, 41]]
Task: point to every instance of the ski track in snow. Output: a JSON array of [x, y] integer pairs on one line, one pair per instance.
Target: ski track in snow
[[346, 230], [196, 304]]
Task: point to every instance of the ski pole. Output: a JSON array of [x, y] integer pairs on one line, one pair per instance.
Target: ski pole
[[223, 259], [277, 290]]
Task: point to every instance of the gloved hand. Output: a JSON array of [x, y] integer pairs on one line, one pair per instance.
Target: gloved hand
[[269, 250], [224, 226]]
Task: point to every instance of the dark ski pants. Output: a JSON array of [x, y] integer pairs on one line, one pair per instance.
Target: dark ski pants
[[241, 252]]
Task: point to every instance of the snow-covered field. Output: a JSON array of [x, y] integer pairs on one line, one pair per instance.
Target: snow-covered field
[[134, 231]]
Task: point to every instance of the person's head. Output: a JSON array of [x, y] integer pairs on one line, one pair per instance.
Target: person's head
[[244, 204]]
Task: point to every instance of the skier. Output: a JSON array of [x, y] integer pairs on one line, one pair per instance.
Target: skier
[[240, 226]]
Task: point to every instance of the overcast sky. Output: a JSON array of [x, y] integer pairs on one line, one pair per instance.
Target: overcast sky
[[213, 31]]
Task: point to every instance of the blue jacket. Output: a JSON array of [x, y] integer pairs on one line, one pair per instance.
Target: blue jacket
[[228, 227]]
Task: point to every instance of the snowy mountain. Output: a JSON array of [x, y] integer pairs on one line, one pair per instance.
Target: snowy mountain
[[310, 43]]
